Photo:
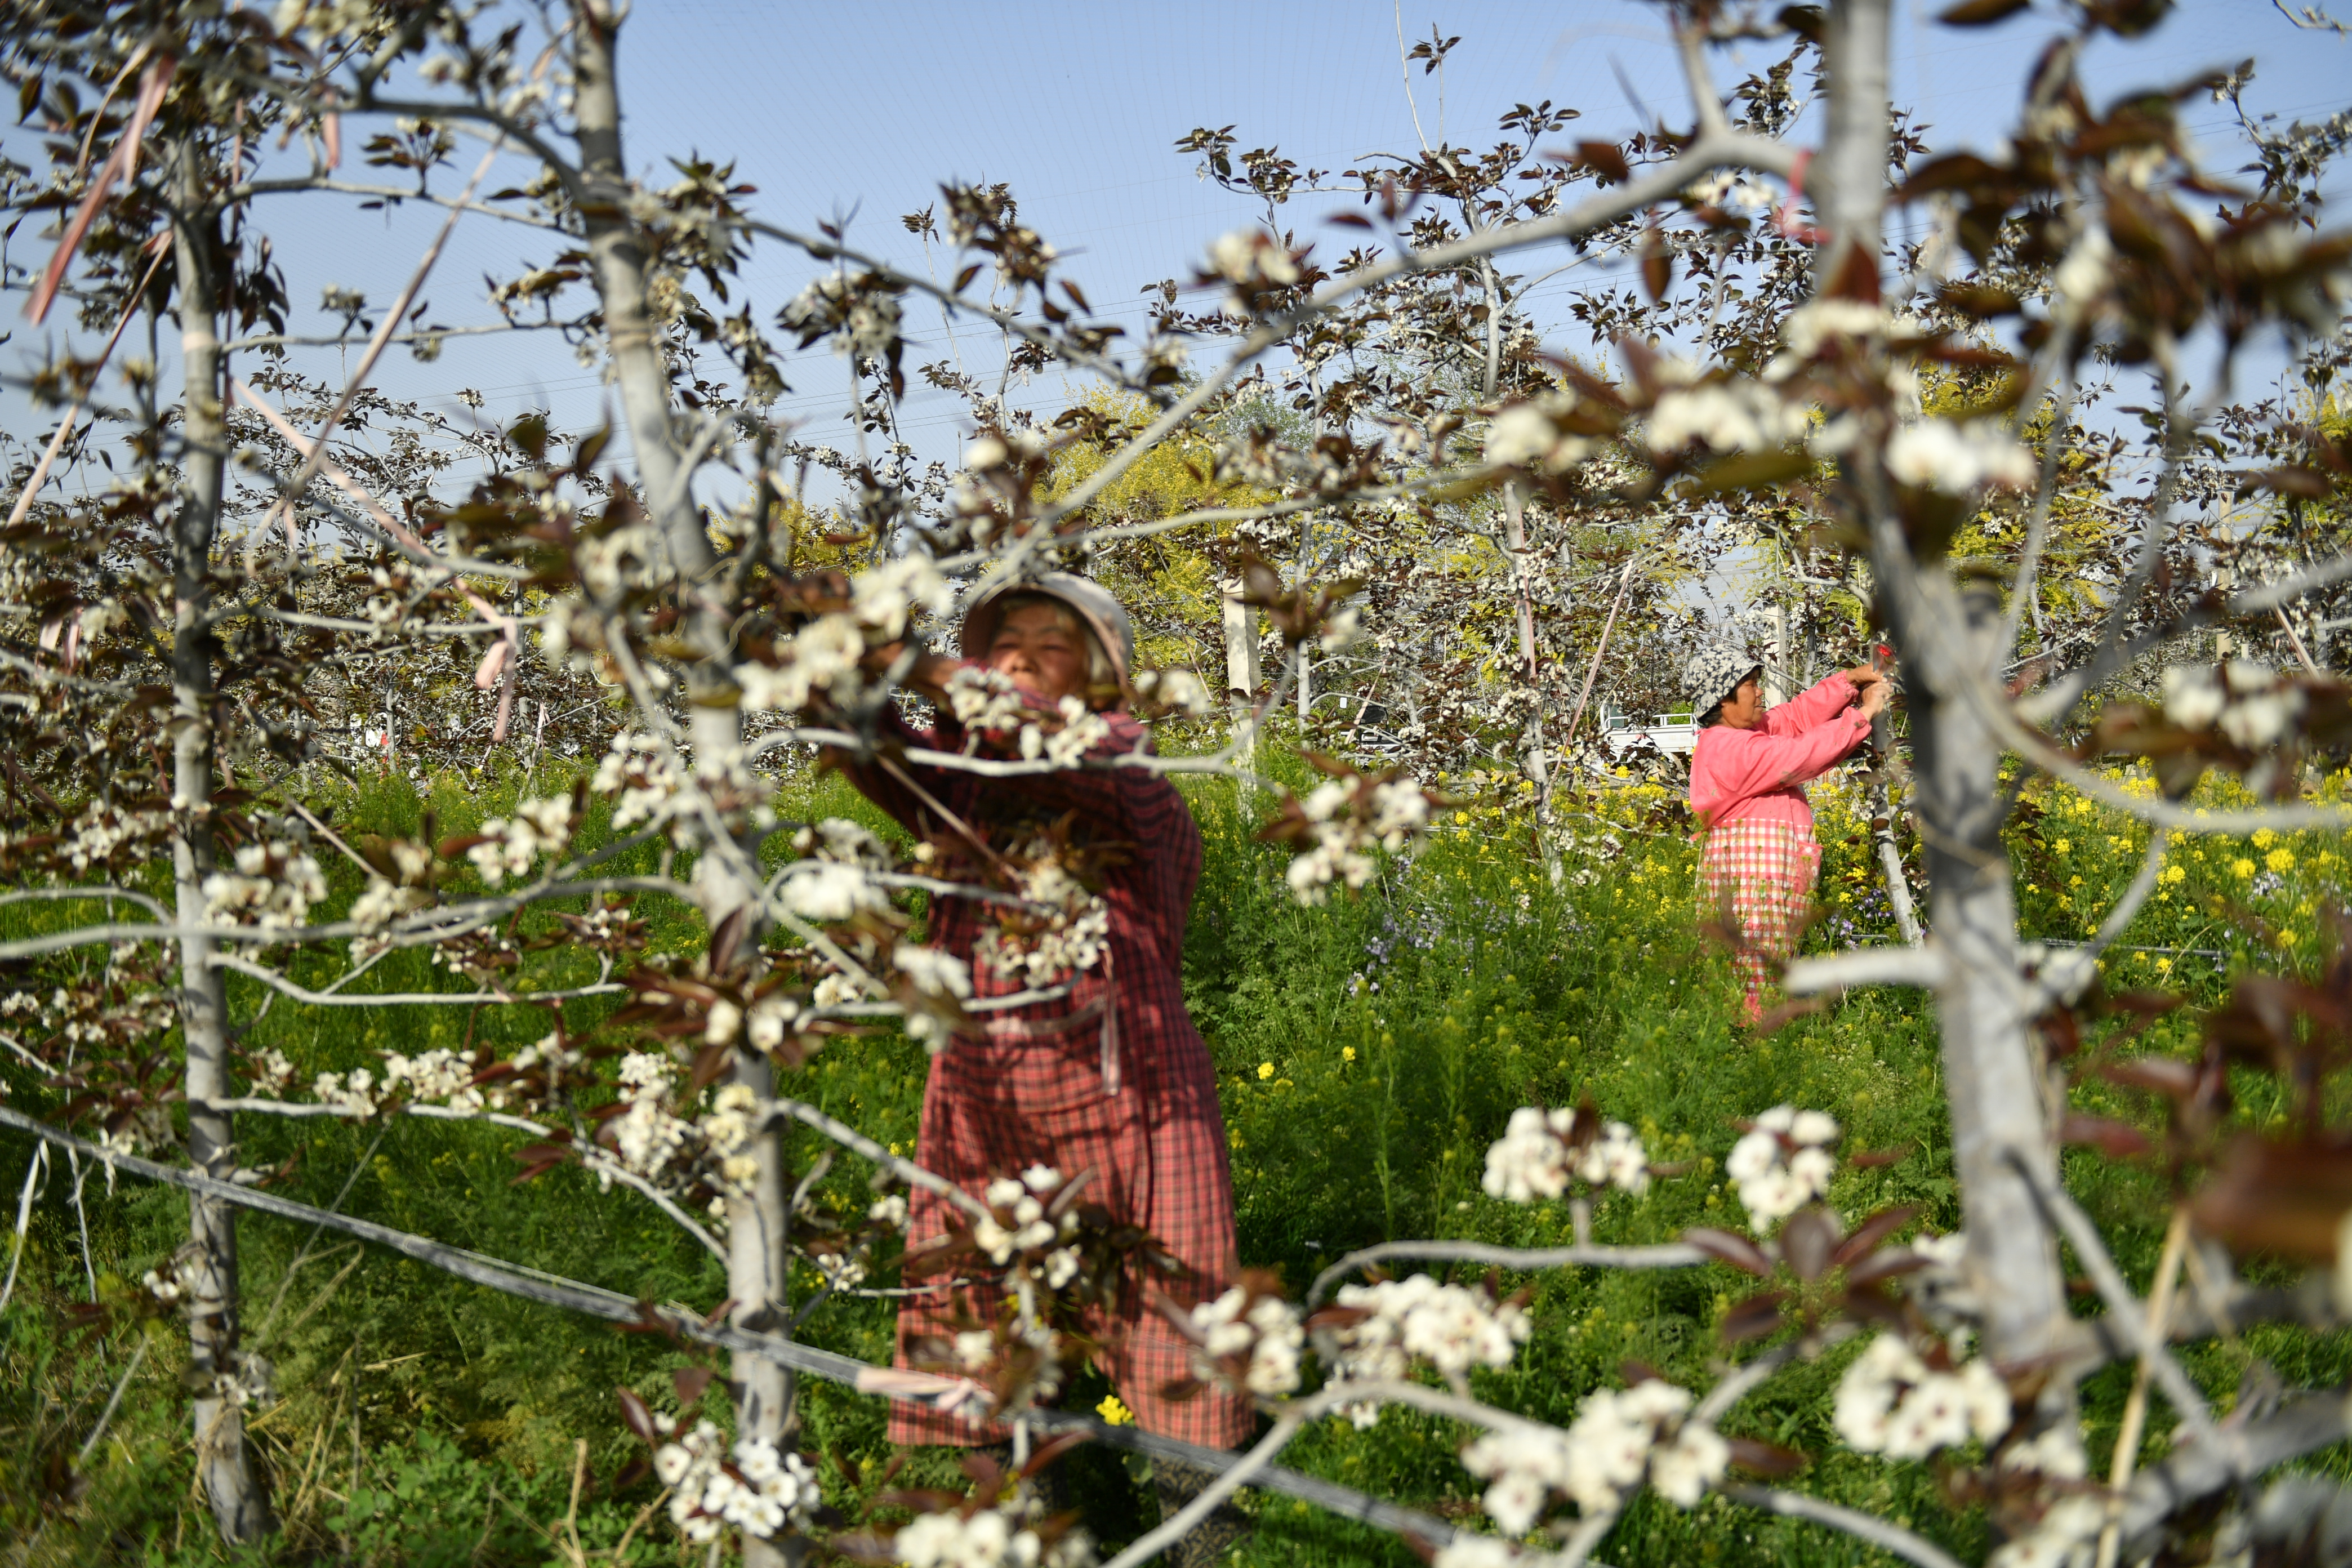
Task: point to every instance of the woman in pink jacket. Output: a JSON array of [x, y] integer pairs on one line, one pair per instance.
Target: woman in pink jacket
[[1760, 859]]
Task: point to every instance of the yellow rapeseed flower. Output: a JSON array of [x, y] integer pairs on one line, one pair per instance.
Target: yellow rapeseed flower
[[1265, 1070], [2176, 873], [1347, 1053], [2242, 866], [2280, 860], [1113, 1412]]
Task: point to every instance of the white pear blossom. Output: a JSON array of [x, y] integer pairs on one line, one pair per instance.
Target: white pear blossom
[[1268, 1327], [1617, 1440], [981, 699], [272, 888], [354, 1094], [1178, 689], [1249, 255], [1729, 417], [1453, 1328], [1527, 436], [2064, 1538], [1533, 1158], [989, 1538], [824, 656], [1959, 458], [509, 848], [1475, 1551], [1817, 323], [763, 1490], [829, 892], [1890, 1402], [932, 971], [886, 596], [1774, 1180]]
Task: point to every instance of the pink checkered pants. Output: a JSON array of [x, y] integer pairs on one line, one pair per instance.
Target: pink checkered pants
[[1756, 879]]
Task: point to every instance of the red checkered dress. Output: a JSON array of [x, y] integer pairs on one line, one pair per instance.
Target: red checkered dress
[[1154, 1137], [1760, 872], [1760, 859]]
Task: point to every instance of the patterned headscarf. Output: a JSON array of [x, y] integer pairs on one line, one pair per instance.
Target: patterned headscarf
[[1714, 674]]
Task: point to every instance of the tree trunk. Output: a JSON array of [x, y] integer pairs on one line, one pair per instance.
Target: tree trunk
[[757, 1268], [225, 1467], [1990, 1076], [1948, 636], [1240, 623]]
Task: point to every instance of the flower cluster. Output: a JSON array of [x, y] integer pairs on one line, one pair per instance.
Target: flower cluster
[[986, 1537], [1956, 458], [1783, 1164], [756, 1488], [272, 888], [1541, 1150], [102, 832], [1728, 415], [508, 848], [1066, 933], [1375, 1332], [824, 659], [1891, 1402], [435, 1077], [2251, 705], [1080, 731], [646, 1136], [1617, 1440], [636, 773], [1018, 1222], [982, 699], [829, 892], [1529, 436], [859, 314], [1172, 690], [1253, 258], [1256, 1333], [1338, 824]]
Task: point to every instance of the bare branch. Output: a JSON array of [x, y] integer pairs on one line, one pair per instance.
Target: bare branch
[[2124, 1309], [1868, 1527], [1922, 966]]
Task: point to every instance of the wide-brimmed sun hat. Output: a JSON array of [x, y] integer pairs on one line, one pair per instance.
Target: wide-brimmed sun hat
[[1103, 615], [1712, 676]]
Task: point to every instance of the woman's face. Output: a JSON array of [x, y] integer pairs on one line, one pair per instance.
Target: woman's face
[[1034, 650], [1744, 709]]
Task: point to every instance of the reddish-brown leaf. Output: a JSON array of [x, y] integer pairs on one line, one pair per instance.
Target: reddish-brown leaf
[[2115, 1139], [1764, 1458], [1869, 1233], [1808, 1240], [640, 1419], [1754, 1318], [1724, 1247], [1980, 13]]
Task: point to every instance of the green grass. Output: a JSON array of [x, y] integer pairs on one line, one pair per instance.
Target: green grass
[[1367, 1053]]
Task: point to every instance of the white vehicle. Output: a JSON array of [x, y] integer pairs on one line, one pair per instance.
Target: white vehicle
[[1673, 733]]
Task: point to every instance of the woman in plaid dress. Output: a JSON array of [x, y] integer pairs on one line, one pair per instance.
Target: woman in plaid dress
[[1749, 772], [1112, 1078]]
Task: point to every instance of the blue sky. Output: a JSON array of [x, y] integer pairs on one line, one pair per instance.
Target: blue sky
[[862, 110]]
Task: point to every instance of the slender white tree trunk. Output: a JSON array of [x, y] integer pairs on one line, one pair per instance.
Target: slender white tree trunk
[[1240, 623], [757, 1268], [239, 1502], [1948, 636]]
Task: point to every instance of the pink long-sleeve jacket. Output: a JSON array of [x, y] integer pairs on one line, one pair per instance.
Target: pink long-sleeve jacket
[[1740, 775]]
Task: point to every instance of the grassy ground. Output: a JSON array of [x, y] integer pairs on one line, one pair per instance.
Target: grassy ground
[[1366, 1052]]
